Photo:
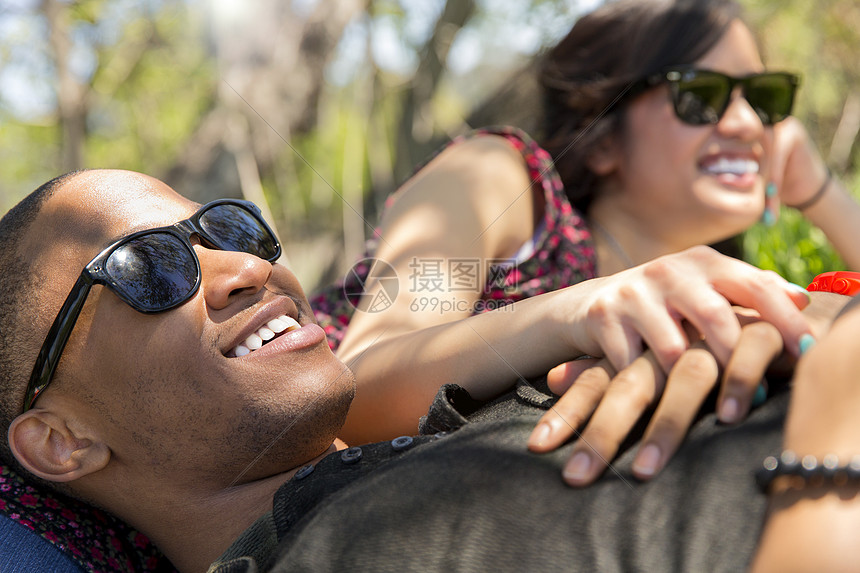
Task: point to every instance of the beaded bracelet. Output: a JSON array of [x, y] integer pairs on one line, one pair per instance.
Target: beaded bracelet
[[788, 471], [815, 197]]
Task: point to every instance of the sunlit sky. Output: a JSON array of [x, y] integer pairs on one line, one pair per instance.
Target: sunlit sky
[[506, 31]]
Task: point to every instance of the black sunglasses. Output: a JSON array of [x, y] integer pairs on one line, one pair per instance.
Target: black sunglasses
[[701, 97], [155, 270]]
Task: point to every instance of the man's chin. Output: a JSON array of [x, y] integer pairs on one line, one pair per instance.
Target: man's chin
[[313, 432]]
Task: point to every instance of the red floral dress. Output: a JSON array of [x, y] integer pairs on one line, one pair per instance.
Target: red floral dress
[[561, 254]]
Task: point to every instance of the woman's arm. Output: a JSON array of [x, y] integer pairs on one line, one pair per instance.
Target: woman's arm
[[473, 203], [611, 316], [799, 173]]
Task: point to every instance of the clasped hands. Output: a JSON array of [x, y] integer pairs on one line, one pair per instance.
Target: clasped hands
[[705, 320]]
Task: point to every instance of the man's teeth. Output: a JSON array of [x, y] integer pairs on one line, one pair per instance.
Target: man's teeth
[[272, 328], [733, 166]]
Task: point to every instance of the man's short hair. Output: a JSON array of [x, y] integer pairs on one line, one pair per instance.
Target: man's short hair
[[17, 304]]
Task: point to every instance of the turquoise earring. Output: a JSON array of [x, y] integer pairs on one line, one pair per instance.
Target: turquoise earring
[[768, 217]]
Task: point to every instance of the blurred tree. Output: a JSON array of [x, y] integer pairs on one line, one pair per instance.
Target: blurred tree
[[72, 93], [416, 121], [271, 66], [318, 109], [95, 83]]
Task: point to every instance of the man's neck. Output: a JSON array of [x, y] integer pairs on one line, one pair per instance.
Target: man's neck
[[192, 527], [200, 530]]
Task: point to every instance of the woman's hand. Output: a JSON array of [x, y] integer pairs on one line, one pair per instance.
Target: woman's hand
[[800, 176], [651, 304], [797, 169]]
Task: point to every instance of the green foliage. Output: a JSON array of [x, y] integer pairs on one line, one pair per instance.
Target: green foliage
[[152, 91], [793, 247], [819, 40], [152, 81], [27, 164], [155, 76]]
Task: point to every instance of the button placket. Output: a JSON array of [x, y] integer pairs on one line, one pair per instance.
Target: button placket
[[401, 443], [351, 455]]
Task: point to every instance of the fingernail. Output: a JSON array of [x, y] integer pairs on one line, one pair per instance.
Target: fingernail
[[729, 410], [768, 218], [807, 341], [540, 434], [770, 190], [800, 289], [647, 460], [760, 395], [577, 469]]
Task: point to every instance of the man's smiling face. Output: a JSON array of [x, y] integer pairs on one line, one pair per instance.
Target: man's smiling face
[[168, 391]]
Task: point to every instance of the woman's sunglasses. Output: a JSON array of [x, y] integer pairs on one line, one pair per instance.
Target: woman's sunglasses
[[701, 97], [155, 270]]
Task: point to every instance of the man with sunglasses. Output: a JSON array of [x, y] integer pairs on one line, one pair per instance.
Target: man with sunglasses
[[130, 410], [183, 424]]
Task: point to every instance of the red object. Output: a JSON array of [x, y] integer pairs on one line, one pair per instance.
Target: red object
[[840, 282]]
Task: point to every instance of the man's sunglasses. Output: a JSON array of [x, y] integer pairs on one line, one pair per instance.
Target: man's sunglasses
[[701, 97], [155, 270]]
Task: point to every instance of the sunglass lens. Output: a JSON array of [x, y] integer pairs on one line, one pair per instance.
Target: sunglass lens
[[234, 228], [701, 98], [153, 272], [771, 96]]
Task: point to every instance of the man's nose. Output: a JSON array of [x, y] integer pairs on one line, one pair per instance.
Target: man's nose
[[228, 275]]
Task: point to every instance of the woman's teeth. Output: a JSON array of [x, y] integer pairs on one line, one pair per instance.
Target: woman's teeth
[[265, 333], [732, 166]]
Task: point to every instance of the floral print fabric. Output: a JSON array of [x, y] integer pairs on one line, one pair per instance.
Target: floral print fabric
[[563, 252], [93, 538]]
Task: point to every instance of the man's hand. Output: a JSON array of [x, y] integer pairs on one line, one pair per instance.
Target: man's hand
[[616, 401], [612, 403]]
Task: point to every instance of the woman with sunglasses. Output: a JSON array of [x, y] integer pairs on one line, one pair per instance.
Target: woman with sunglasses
[[666, 132]]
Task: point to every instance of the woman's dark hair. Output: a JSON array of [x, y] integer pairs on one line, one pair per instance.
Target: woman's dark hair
[[605, 53]]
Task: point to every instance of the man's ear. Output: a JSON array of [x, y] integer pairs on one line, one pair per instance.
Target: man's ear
[[604, 158], [43, 443]]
